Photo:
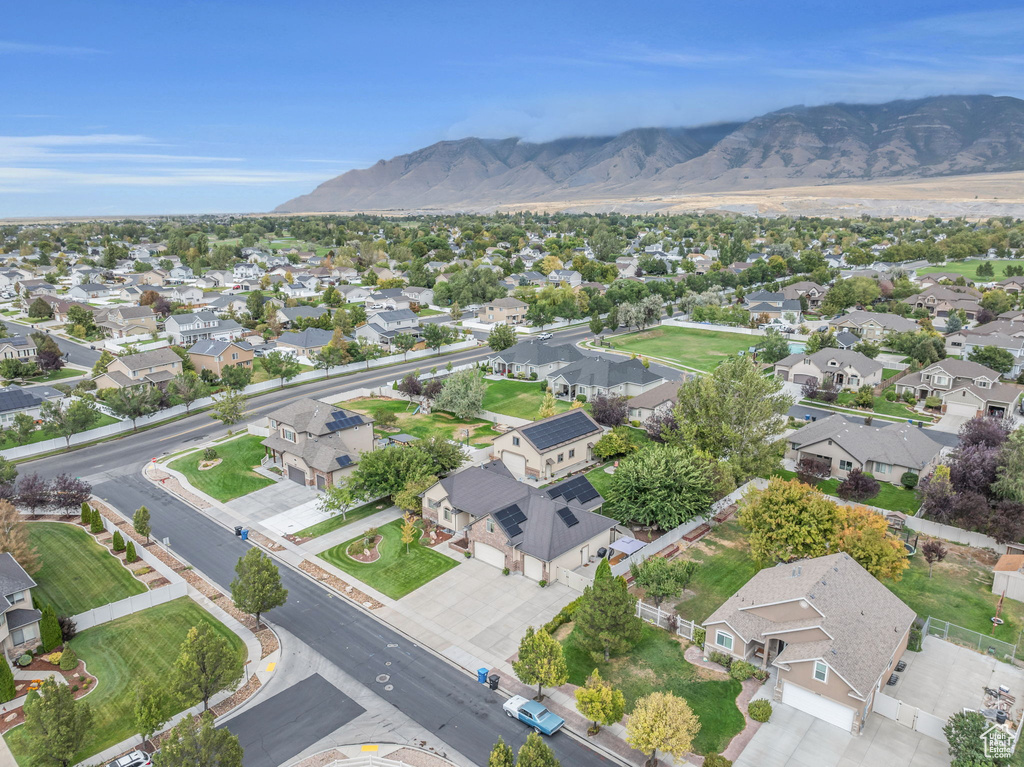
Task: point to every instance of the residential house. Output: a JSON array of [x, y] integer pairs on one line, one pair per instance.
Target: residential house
[[543, 534], [89, 290], [354, 294], [19, 620], [661, 399], [599, 376], [813, 292], [533, 359], [570, 277], [966, 388], [849, 369], [873, 326], [766, 306], [17, 348], [215, 356], [382, 272], [244, 271], [21, 399], [81, 275], [153, 368], [288, 315], [304, 343], [316, 444], [390, 299], [181, 273], [418, 295], [185, 294], [504, 311], [887, 451], [124, 321], [833, 632], [549, 447], [1008, 577], [846, 340], [1002, 334], [186, 329], [383, 326], [61, 306], [297, 290], [940, 300], [37, 288], [1012, 285]]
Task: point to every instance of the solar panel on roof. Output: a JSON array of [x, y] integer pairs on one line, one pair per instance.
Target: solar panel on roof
[[568, 427], [342, 420], [567, 516], [343, 460], [576, 489]]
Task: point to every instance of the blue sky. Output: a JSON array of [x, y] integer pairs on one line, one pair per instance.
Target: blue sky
[[208, 106]]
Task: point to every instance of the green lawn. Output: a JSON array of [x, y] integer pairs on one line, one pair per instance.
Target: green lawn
[[889, 497], [73, 584], [259, 375], [40, 435], [725, 566], [882, 406], [56, 375], [335, 522], [437, 424], [700, 349], [233, 476], [887, 373], [657, 664], [429, 313], [969, 268], [123, 654], [600, 479], [519, 399], [396, 573]]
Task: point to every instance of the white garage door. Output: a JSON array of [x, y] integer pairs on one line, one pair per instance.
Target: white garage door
[[818, 705], [962, 408], [490, 555], [515, 463], [533, 568]]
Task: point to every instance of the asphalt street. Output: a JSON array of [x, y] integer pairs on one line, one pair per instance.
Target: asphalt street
[[77, 354], [439, 698]]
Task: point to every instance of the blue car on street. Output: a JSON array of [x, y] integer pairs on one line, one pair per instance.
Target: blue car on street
[[533, 714]]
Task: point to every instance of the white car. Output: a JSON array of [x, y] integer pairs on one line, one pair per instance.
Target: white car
[[133, 759], [544, 336]]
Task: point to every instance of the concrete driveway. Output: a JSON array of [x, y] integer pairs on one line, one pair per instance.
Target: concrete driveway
[[474, 615], [950, 423], [272, 500], [795, 739]]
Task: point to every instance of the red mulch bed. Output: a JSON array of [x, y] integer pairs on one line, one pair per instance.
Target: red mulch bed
[[38, 664]]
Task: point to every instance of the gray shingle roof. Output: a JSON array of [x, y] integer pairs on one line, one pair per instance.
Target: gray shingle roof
[[211, 348], [865, 620], [535, 352], [13, 577], [899, 444], [508, 303], [845, 357], [154, 358], [887, 321], [313, 416], [304, 312], [659, 395], [309, 338], [605, 373]]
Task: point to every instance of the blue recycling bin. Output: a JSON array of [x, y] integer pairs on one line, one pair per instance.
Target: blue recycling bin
[[481, 675], [245, 535]]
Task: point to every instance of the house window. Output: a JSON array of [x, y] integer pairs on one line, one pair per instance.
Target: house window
[[723, 640], [515, 441], [572, 453], [940, 380], [845, 465], [490, 525], [882, 468], [16, 597], [432, 504], [561, 457], [26, 634], [447, 515], [820, 671], [234, 355], [288, 435]]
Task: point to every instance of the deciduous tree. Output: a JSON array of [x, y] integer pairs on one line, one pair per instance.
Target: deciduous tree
[[141, 522], [541, 661], [662, 722], [79, 415], [280, 365], [192, 743], [206, 665], [858, 486], [773, 347], [501, 337], [188, 387], [150, 708], [501, 755], [599, 702], [864, 535], [56, 725], [257, 585], [236, 377], [228, 408], [609, 411], [933, 552], [663, 579], [547, 405], [134, 402], [662, 485], [463, 394], [536, 753], [789, 520]]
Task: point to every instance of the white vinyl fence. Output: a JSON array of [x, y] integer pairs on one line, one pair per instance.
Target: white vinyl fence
[[953, 534], [664, 619], [910, 716], [129, 605]]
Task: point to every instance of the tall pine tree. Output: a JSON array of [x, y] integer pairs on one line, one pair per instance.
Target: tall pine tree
[[606, 619]]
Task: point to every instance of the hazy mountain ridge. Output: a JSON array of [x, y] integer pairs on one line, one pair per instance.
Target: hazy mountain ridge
[[946, 135]]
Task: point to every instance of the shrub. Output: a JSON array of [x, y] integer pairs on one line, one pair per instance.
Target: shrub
[[858, 486], [741, 670], [466, 554], [890, 395], [505, 571], [933, 402], [699, 635], [760, 675], [118, 542], [914, 641], [760, 710], [533, 376], [96, 523], [720, 658], [581, 397], [86, 513], [25, 659], [54, 658], [68, 628], [542, 583], [909, 480], [68, 660], [210, 454], [716, 760], [130, 555], [908, 396]]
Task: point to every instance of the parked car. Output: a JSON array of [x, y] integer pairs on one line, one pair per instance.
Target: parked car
[[532, 713], [133, 759]]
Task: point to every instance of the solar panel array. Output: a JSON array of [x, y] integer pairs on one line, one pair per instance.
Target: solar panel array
[[576, 489], [570, 426], [344, 460], [342, 420], [510, 518], [566, 515]]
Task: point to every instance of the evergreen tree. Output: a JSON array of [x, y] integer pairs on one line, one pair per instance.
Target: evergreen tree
[[140, 521], [86, 513], [68, 659], [7, 688], [118, 542], [606, 619], [96, 522], [130, 555], [541, 661], [49, 629]]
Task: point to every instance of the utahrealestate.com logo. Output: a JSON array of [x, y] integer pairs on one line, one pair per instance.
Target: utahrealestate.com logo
[[997, 743]]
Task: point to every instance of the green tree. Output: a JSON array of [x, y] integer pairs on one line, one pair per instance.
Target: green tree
[[964, 732], [773, 347], [736, 415], [536, 753], [501, 337], [134, 402], [501, 755], [206, 665], [437, 335], [409, 499], [14, 369], [40, 310], [8, 471], [541, 661], [130, 556], [463, 394], [23, 429], [49, 629], [254, 306], [118, 542], [280, 365], [662, 722], [339, 499], [236, 377], [606, 619], [101, 364], [599, 702], [1000, 360], [78, 416], [663, 485], [150, 708], [190, 743], [188, 387], [330, 357], [7, 686], [596, 325], [56, 725], [788, 521], [141, 522], [547, 405], [96, 523], [229, 407], [257, 585], [997, 301], [663, 579], [404, 342], [818, 341]]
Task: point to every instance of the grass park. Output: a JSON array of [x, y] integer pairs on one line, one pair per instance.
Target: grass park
[[421, 425], [518, 399], [124, 654], [233, 476], [696, 349], [77, 574], [969, 268], [395, 573]]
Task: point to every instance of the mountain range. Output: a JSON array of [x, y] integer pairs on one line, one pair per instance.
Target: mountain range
[[796, 146]]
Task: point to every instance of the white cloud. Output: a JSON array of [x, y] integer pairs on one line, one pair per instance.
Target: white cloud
[[37, 180]]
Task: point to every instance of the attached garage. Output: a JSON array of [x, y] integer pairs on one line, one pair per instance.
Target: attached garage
[[515, 463], [533, 568], [818, 706], [490, 555], [966, 409], [295, 474]]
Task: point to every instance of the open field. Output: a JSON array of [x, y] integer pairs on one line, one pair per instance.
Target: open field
[[700, 349], [969, 268]]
